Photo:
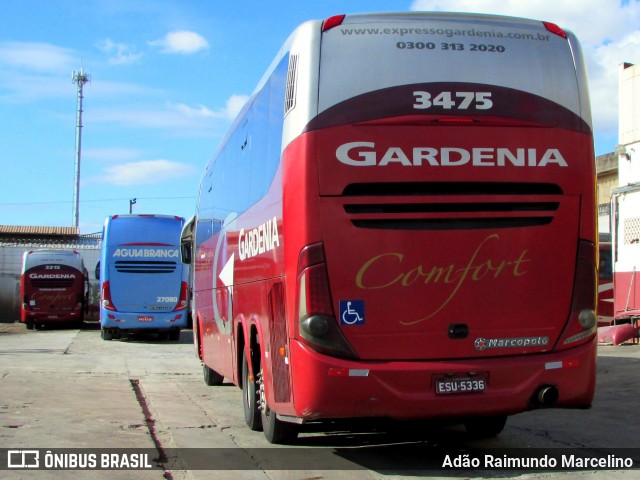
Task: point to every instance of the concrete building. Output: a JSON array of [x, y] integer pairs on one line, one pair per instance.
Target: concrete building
[[15, 240], [627, 153], [626, 199], [629, 106], [607, 173]]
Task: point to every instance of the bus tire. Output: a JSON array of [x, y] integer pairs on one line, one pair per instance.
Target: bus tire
[[276, 431], [211, 377], [106, 334], [250, 397], [485, 427], [29, 325]]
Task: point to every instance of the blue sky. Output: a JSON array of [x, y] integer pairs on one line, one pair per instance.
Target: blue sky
[[167, 77]]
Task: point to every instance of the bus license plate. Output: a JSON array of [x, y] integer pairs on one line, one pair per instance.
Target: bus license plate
[[145, 318], [448, 385]]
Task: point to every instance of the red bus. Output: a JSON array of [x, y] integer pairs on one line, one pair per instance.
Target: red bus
[[54, 285], [401, 223]]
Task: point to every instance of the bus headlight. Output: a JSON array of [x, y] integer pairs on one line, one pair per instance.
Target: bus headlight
[[587, 319], [316, 325]]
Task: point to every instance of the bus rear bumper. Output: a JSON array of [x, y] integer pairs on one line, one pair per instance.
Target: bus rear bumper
[[143, 321], [51, 318], [327, 387]]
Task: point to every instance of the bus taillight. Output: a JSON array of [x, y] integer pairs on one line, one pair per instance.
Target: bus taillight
[[332, 22], [183, 300], [106, 297], [316, 317], [582, 320], [555, 29]]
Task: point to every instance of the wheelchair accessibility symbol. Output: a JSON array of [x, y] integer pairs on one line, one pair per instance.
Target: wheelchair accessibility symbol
[[351, 312]]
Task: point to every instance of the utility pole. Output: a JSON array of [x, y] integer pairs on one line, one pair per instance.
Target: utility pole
[[132, 202], [80, 78]]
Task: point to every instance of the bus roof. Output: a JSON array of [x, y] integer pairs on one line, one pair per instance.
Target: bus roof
[[33, 258]]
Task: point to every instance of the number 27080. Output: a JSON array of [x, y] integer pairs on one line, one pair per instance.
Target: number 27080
[[166, 299]]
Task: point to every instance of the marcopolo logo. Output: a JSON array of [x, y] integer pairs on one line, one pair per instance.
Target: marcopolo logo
[[486, 343], [365, 154]]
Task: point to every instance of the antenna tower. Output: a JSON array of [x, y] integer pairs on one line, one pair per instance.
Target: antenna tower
[[78, 77]]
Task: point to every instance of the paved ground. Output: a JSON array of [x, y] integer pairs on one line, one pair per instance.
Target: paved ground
[[67, 388]]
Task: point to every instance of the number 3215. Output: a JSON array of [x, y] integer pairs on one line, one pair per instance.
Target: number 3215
[[453, 100]]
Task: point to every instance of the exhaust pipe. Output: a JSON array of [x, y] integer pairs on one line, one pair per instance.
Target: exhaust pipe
[[547, 395]]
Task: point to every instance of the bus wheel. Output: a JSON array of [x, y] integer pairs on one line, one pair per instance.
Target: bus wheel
[[250, 397], [276, 431], [29, 325], [485, 427], [211, 377], [106, 334]]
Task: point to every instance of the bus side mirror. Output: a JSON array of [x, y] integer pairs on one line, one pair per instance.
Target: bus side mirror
[[97, 272], [185, 252], [186, 241]]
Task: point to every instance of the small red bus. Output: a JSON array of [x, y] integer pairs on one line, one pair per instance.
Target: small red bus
[[54, 285], [401, 223]]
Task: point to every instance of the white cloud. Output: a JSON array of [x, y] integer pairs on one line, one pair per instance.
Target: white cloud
[[34, 71], [112, 154], [119, 53], [178, 117], [143, 172], [191, 112], [234, 105], [36, 57], [18, 88], [231, 109], [184, 42], [609, 31], [103, 88]]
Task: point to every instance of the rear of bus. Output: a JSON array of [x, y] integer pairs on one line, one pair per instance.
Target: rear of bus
[[142, 278], [442, 231], [53, 288]]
